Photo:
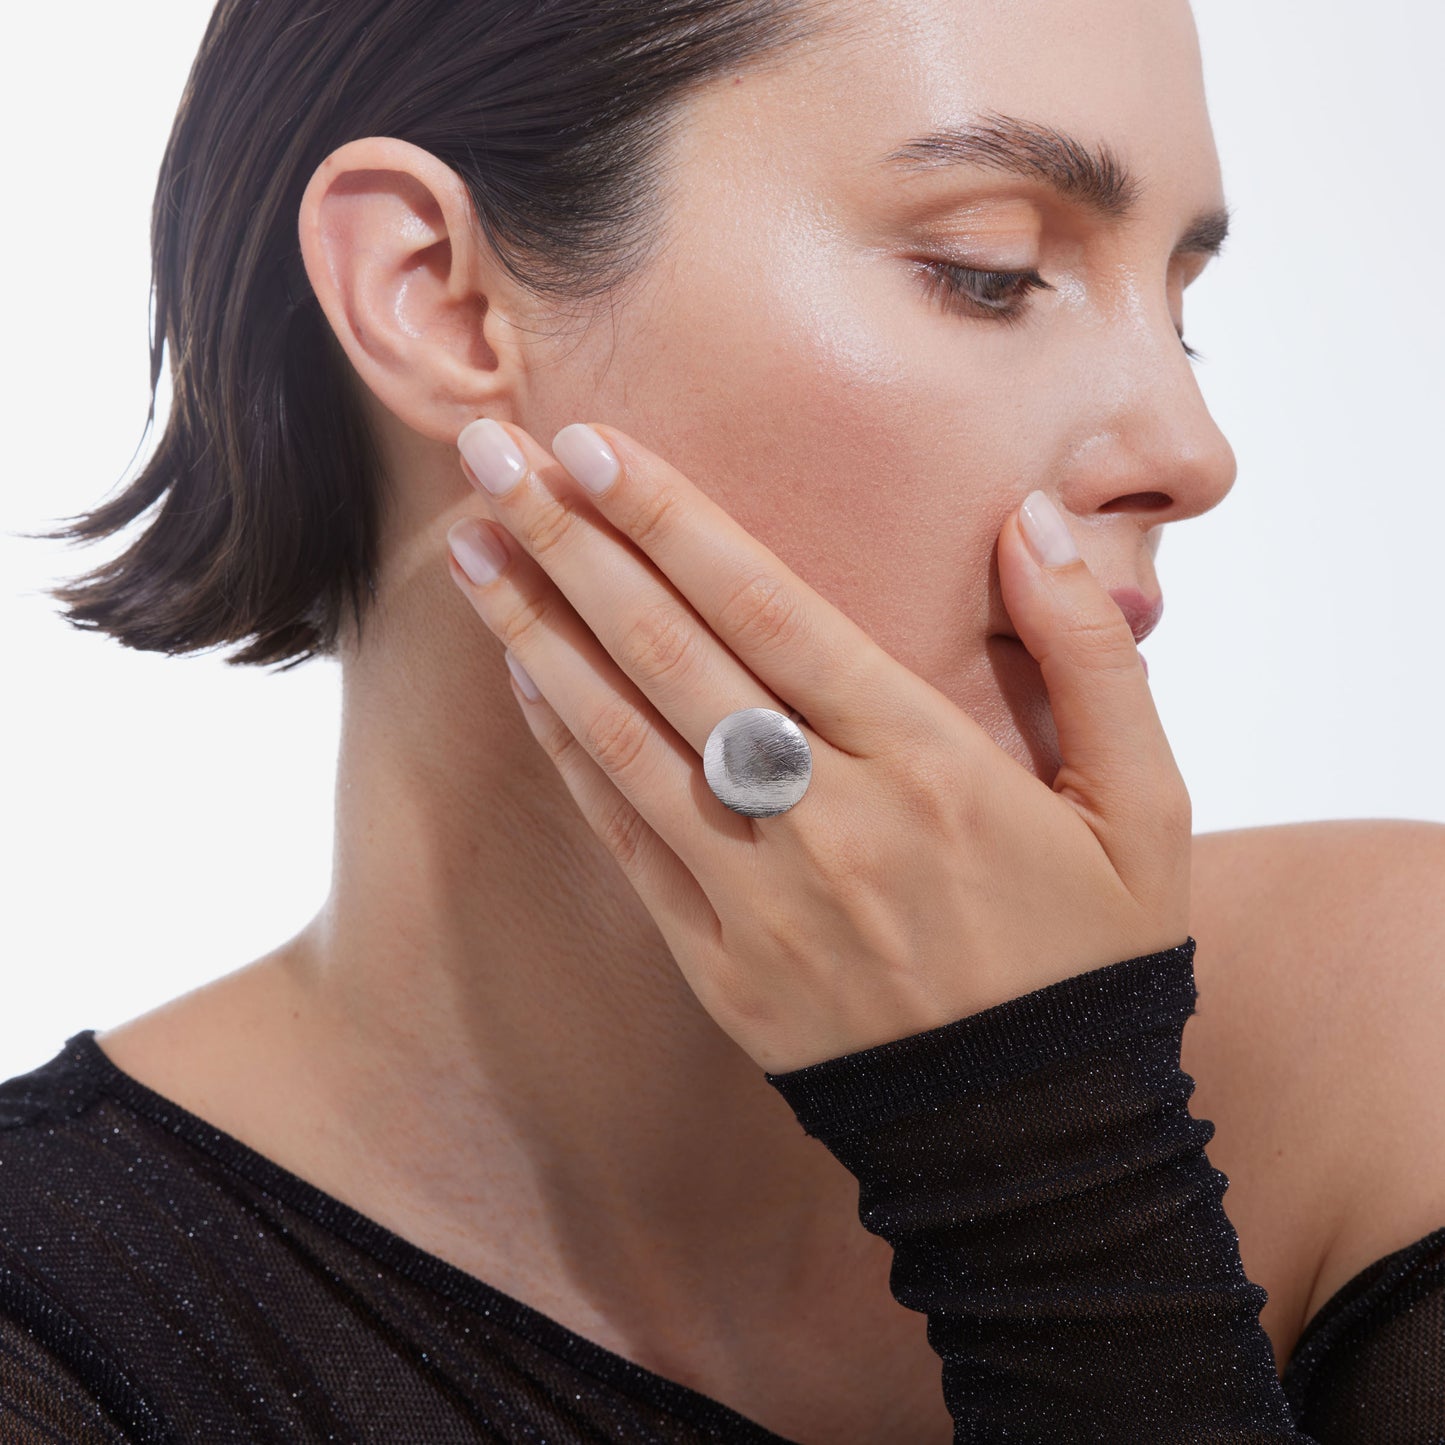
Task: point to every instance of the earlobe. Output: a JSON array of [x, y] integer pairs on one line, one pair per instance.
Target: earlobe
[[389, 246]]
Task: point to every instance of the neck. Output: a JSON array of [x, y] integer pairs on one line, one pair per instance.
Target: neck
[[506, 1035]]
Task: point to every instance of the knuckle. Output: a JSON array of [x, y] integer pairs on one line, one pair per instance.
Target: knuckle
[[624, 832], [661, 642], [617, 735], [653, 520], [551, 525], [559, 743], [763, 615], [530, 614], [1102, 644]]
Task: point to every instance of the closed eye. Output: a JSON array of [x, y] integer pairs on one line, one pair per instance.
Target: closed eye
[[994, 295], [991, 295]]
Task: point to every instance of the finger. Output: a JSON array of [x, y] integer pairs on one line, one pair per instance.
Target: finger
[[637, 750], [653, 633], [795, 642], [670, 893], [1117, 765]]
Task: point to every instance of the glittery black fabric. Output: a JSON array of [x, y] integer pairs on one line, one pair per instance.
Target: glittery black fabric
[[1034, 1167]]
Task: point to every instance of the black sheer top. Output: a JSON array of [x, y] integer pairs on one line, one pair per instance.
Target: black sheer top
[[1034, 1166]]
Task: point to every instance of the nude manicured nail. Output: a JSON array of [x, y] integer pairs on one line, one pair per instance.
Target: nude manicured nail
[[524, 678], [478, 553], [586, 456], [1046, 532], [492, 455]]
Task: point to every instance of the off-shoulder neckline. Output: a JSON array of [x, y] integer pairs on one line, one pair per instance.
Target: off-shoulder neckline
[[369, 1235]]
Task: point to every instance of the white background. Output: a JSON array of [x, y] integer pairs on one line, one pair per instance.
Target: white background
[[166, 820]]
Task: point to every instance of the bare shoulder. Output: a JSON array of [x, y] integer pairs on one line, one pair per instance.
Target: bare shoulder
[[1316, 1046]]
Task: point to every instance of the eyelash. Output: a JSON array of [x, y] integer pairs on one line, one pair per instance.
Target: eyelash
[[953, 286]]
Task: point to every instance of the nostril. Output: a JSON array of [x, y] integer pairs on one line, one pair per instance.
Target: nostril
[[1139, 502]]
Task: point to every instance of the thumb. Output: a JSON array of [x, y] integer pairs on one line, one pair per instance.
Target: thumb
[[1117, 765]]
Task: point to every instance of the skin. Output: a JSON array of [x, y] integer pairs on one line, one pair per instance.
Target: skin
[[482, 1022]]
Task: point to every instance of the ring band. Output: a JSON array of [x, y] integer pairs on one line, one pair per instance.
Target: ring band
[[757, 762]]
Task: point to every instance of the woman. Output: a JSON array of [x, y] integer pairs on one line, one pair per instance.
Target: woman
[[505, 1144]]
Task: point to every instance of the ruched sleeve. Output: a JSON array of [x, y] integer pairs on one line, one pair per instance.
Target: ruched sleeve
[[1052, 1211]]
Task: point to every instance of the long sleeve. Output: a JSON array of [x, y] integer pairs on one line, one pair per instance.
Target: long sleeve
[[1051, 1209], [162, 1283]]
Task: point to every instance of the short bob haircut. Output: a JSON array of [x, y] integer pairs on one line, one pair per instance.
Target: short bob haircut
[[266, 481]]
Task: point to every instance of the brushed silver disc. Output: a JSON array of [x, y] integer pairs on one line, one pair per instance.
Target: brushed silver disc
[[757, 762]]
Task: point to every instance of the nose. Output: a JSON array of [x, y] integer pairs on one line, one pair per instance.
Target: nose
[[1148, 444]]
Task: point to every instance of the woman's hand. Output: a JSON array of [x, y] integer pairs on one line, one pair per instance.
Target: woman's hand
[[925, 874]]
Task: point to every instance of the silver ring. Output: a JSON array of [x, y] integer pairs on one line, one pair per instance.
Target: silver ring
[[758, 762]]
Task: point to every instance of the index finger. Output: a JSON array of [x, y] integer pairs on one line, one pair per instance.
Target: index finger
[[791, 637]]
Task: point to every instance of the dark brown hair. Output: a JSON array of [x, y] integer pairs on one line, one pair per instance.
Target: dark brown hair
[[266, 483]]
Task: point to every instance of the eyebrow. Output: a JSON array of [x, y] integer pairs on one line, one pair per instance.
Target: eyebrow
[[1096, 179]]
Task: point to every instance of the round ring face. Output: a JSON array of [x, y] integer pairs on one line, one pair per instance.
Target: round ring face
[[757, 762]]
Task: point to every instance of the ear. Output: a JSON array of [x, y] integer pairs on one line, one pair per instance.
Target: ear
[[410, 286]]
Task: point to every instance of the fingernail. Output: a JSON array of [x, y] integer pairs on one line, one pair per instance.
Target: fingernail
[[586, 456], [492, 455], [478, 553], [524, 679], [1046, 532]]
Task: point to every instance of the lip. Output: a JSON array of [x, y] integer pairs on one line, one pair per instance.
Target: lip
[[1142, 614]]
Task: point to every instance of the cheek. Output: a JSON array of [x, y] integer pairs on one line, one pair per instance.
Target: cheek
[[853, 441]]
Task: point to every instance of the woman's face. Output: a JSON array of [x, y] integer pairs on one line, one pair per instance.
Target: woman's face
[[790, 353]]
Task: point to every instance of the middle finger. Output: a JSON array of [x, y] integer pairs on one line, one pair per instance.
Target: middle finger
[[652, 632]]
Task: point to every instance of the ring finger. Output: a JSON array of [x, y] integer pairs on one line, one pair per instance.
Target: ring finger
[[653, 632], [643, 755]]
